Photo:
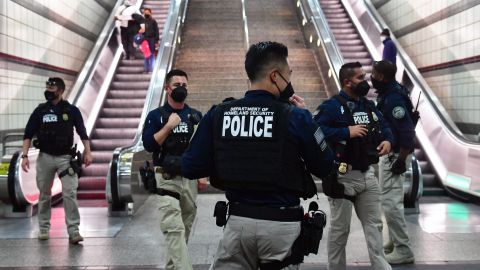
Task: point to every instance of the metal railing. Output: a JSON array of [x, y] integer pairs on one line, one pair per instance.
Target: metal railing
[[124, 194]]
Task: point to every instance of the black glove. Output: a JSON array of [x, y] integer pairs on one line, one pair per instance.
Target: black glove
[[398, 167]]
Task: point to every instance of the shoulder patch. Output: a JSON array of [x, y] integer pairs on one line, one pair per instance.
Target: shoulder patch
[[398, 112]]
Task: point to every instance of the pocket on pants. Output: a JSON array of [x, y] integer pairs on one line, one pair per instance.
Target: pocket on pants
[[170, 215], [230, 243]]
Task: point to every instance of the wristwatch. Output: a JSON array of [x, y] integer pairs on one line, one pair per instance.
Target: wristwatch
[[24, 156]]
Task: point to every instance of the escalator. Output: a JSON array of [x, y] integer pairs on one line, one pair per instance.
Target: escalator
[[348, 30], [120, 114], [111, 94]]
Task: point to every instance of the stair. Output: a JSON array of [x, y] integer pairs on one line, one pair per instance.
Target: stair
[[431, 183], [119, 117], [212, 52], [277, 21]]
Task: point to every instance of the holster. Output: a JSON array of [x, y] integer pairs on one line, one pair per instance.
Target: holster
[[147, 174], [333, 189], [220, 213], [75, 164], [307, 242]]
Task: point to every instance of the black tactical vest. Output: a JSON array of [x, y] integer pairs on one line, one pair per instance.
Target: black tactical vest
[[55, 136], [254, 150], [362, 152], [177, 141]]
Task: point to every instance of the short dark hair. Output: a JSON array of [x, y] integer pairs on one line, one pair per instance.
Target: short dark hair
[[385, 32], [386, 68], [175, 72], [262, 56], [347, 71], [56, 81], [149, 9]]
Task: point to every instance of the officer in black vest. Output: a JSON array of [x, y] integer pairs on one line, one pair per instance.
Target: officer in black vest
[[359, 135], [53, 122], [396, 106], [167, 132], [261, 150]]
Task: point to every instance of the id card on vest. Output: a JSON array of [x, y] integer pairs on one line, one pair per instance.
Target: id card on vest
[[249, 122]]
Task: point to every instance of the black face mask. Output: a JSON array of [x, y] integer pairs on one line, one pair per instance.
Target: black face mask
[[379, 85], [148, 16], [179, 94], [361, 89], [49, 95], [287, 92]]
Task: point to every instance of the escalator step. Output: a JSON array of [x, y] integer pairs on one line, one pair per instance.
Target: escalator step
[[101, 156], [117, 123], [356, 55], [120, 112], [97, 169], [108, 133], [91, 195], [124, 103], [92, 182], [425, 166], [132, 77], [130, 69], [109, 144], [430, 180], [131, 85], [119, 94]]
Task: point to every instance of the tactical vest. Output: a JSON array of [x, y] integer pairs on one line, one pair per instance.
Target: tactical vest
[[254, 150], [178, 140], [361, 152], [55, 136]]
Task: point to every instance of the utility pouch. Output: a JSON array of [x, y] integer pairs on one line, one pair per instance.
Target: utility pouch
[[220, 213]]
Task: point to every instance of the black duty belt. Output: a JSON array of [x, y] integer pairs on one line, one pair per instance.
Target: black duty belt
[[266, 213], [164, 192]]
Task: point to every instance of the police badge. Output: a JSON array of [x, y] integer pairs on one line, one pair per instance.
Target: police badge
[[65, 117]]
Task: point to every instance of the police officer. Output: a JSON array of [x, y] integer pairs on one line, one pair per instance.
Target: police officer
[[358, 133], [395, 105], [261, 151], [53, 122], [167, 132]]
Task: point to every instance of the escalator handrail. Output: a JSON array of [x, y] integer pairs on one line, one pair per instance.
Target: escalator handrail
[[418, 80], [155, 94], [329, 43], [88, 68]]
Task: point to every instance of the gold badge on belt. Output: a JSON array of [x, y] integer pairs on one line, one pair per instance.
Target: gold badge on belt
[[342, 168]]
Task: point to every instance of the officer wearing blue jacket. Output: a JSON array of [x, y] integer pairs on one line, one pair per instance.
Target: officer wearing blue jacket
[[167, 132], [53, 123], [359, 134], [261, 150], [395, 105]]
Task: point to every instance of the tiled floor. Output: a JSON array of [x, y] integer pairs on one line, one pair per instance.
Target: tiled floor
[[445, 235]]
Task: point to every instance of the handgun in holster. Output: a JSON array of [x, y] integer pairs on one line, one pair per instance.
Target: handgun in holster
[[75, 163], [147, 174], [220, 213]]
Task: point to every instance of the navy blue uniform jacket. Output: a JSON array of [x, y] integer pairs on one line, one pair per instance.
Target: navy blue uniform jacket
[[396, 112], [330, 116]]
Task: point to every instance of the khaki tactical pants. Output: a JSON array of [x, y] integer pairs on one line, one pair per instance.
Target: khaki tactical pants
[[364, 186], [391, 186], [247, 242], [176, 219], [47, 166]]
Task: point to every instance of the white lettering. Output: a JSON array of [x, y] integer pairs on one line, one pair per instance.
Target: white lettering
[[243, 133], [235, 126], [226, 124], [258, 132], [50, 118], [268, 127]]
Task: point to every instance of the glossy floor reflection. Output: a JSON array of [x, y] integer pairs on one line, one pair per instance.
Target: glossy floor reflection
[[445, 235]]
